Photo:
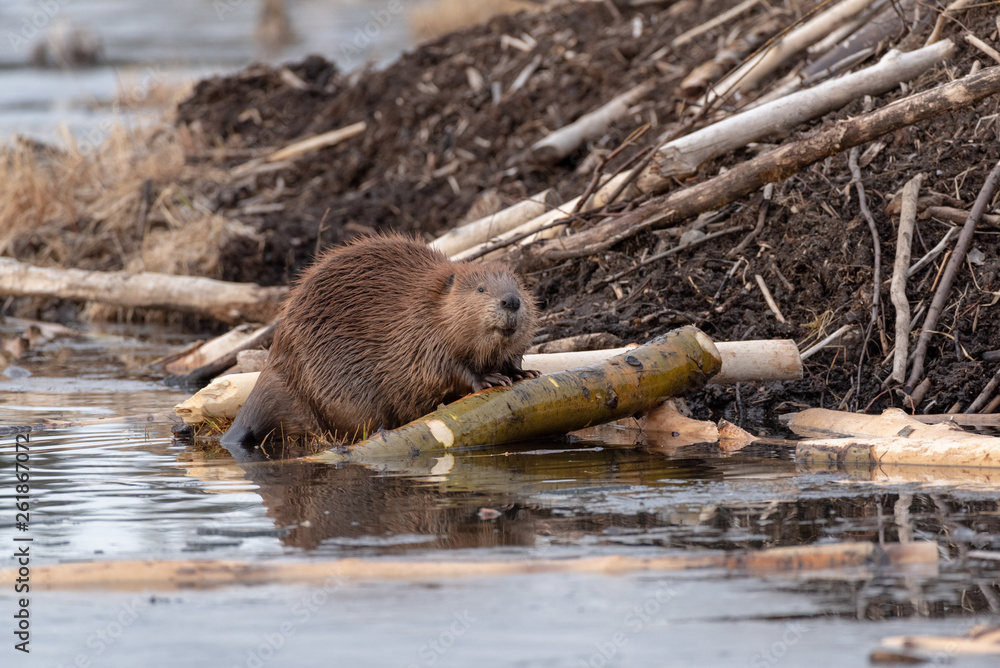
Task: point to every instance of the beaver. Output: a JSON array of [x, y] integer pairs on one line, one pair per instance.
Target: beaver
[[377, 333]]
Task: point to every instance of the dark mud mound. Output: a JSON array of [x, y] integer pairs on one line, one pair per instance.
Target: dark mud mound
[[446, 128]]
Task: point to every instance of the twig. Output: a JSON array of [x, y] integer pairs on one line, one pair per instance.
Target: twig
[[954, 264], [717, 21], [985, 395], [897, 291], [836, 336], [761, 217], [983, 46], [932, 253], [666, 253], [769, 299], [852, 161]]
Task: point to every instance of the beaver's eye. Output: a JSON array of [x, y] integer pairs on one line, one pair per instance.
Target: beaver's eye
[[482, 289]]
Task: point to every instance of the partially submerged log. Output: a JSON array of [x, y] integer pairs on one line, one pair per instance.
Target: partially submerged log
[[262, 336], [228, 302], [898, 650], [556, 403], [891, 438], [200, 573]]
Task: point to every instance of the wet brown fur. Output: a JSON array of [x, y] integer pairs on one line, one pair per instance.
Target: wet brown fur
[[379, 332]]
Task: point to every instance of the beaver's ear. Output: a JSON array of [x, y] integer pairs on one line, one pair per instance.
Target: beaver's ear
[[448, 282]]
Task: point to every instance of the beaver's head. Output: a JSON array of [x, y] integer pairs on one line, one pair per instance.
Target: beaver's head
[[489, 315]]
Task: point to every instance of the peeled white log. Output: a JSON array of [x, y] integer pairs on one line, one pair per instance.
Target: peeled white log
[[742, 361], [757, 68], [600, 198], [488, 227], [891, 438], [222, 398], [684, 155], [567, 139]]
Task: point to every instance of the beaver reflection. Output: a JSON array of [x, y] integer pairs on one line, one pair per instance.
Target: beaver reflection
[[322, 502]]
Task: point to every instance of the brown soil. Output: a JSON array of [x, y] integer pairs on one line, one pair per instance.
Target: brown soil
[[437, 151]]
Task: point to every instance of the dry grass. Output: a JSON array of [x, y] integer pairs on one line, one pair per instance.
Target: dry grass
[[433, 19], [131, 203]]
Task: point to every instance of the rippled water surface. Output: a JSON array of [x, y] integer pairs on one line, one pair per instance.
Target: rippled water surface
[[121, 491]]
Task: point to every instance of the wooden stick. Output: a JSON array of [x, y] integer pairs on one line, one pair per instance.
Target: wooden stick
[[200, 573], [771, 304], [299, 148], [682, 157], [228, 302], [951, 270], [934, 252], [897, 290], [724, 17], [260, 338], [562, 142], [836, 336], [986, 394], [751, 73], [488, 227], [753, 174], [983, 46]]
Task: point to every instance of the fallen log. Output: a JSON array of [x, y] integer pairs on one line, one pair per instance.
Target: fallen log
[[749, 176], [628, 384], [200, 573], [480, 231], [560, 143], [891, 438], [742, 361], [259, 338], [682, 157], [227, 302]]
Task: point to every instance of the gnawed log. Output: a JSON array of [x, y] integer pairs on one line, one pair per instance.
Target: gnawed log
[[891, 438], [200, 573], [228, 302], [262, 336], [680, 361], [220, 399]]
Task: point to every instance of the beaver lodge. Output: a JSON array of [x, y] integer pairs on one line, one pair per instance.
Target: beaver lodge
[[803, 247]]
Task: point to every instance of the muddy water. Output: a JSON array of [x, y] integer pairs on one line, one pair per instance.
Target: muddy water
[[112, 491], [152, 43]]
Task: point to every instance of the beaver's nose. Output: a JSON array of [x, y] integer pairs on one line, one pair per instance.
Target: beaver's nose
[[511, 302]]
